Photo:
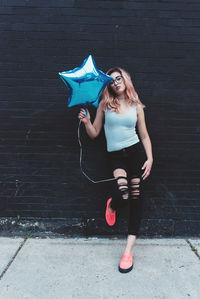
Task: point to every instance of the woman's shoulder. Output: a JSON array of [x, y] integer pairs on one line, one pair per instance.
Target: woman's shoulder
[[101, 103], [138, 105], [102, 106], [139, 108]]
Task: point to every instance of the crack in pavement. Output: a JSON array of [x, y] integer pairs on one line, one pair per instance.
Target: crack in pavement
[[12, 259], [193, 248]]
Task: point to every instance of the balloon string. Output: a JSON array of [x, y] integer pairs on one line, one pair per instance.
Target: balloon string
[[81, 153]]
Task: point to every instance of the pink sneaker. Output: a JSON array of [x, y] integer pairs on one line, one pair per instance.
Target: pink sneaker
[[126, 263], [110, 216]]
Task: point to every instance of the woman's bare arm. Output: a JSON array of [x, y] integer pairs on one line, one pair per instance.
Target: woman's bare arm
[[94, 129], [144, 136]]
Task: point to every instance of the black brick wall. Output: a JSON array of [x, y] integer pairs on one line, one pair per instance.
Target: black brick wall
[[158, 42]]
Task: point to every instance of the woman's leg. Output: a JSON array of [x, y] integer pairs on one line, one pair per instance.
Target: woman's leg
[[135, 212], [134, 161], [120, 190], [130, 242]]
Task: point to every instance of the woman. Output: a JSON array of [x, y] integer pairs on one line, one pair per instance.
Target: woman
[[120, 110]]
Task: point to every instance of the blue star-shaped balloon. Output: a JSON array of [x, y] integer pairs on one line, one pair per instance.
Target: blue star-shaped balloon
[[85, 83]]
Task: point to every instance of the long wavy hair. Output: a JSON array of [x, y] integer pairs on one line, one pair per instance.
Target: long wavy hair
[[109, 98]]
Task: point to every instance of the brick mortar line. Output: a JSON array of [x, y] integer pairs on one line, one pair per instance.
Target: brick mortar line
[[193, 248], [12, 259]]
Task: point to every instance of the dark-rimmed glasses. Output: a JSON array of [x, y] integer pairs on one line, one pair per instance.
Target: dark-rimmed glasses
[[118, 79]]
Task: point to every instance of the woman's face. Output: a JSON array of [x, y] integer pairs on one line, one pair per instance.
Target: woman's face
[[117, 84]]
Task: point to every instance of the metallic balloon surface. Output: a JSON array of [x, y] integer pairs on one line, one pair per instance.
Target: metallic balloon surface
[[85, 83]]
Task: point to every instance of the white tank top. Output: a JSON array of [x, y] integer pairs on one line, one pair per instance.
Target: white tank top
[[120, 129]]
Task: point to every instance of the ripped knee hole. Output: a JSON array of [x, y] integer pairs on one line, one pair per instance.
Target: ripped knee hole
[[123, 187]]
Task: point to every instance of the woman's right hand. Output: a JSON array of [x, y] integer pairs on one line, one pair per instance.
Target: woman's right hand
[[82, 117]]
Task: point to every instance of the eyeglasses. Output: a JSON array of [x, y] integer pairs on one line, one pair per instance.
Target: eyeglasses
[[118, 79]]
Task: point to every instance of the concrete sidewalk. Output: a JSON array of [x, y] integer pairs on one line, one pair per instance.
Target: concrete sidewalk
[[62, 268]]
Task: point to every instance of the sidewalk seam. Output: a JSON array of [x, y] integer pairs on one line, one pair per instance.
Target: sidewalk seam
[[12, 259], [193, 248]]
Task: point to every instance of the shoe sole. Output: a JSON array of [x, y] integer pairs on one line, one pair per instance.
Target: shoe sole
[[125, 270]]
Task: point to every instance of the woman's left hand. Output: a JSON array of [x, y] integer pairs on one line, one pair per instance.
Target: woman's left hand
[[147, 168]]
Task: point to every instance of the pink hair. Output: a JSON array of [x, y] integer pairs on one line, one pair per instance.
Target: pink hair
[[109, 97]]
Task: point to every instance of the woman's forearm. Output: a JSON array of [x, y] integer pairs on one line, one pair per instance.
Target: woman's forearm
[[90, 129], [148, 148]]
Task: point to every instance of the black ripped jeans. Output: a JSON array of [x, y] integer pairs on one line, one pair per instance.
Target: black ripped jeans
[[128, 190]]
